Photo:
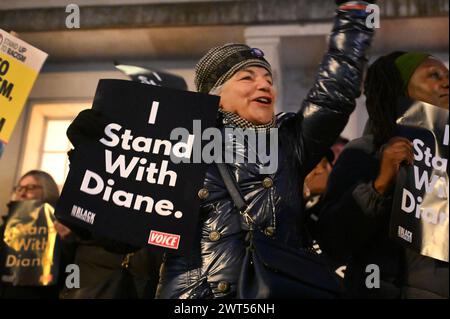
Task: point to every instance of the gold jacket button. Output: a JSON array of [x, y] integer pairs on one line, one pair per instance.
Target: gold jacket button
[[269, 231], [223, 286], [203, 193], [267, 182], [214, 235]]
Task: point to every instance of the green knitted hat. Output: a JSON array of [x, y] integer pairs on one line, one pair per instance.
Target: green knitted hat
[[407, 63], [219, 64]]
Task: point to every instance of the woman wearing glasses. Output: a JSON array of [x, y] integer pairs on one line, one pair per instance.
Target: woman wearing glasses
[[39, 186]]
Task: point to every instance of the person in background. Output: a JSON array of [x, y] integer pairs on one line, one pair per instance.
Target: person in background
[[36, 185], [338, 147], [354, 223], [314, 187]]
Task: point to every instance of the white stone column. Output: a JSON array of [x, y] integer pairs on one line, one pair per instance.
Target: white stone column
[[269, 38]]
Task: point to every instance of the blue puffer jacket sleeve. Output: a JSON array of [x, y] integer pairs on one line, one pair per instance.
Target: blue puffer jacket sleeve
[[331, 100]]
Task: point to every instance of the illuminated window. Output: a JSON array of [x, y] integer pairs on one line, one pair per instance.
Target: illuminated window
[[46, 143], [54, 158]]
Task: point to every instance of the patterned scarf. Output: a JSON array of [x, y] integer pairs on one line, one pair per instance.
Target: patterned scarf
[[232, 119]]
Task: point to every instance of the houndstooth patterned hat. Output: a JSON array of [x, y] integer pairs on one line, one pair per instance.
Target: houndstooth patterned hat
[[219, 64]]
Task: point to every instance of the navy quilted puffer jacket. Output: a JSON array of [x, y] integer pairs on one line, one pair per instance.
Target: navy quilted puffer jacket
[[211, 269]]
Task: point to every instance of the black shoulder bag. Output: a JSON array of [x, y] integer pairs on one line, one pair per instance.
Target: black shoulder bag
[[271, 269]]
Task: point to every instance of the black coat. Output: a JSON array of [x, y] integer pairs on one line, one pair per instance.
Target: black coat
[[102, 276], [211, 269], [354, 229]]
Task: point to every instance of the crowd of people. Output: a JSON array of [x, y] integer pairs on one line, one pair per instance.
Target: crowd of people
[[338, 202]]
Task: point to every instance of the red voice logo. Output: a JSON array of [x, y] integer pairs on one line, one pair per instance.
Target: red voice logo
[[164, 239]]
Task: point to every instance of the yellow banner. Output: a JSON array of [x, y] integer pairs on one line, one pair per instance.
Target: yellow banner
[[20, 64]]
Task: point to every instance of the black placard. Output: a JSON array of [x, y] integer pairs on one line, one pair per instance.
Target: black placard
[[125, 186], [420, 217]]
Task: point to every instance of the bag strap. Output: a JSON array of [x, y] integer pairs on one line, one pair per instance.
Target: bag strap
[[233, 190]]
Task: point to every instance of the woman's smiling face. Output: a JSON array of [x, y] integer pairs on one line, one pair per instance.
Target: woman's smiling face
[[250, 94], [429, 83]]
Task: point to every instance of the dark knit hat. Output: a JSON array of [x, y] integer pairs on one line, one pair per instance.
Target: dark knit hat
[[220, 63]]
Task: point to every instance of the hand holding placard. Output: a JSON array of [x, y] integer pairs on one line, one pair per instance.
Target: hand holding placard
[[124, 183]]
